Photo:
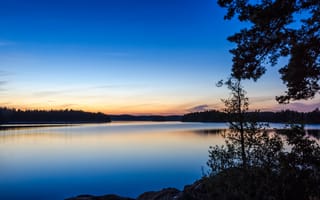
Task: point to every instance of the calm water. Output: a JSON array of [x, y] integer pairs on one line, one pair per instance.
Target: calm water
[[125, 158]]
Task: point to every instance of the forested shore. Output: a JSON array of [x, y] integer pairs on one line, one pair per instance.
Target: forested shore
[[8, 116], [77, 116], [286, 116]]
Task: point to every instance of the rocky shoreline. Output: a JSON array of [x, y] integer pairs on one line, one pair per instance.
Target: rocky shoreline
[[196, 191]]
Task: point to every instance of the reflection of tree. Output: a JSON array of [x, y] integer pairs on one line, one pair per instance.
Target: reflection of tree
[[18, 127], [210, 131]]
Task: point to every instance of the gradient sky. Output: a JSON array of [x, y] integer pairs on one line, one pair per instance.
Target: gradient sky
[[122, 56]]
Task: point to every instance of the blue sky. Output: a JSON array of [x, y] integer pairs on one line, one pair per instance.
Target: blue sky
[[121, 56]]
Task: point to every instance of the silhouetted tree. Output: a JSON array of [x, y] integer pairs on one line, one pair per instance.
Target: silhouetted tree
[[236, 107], [253, 163], [299, 170], [205, 116], [247, 142], [273, 33]]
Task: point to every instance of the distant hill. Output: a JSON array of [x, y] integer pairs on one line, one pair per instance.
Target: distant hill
[[145, 118], [286, 116], [51, 116]]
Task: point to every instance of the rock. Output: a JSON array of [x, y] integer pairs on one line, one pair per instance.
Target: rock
[[165, 194], [105, 197], [197, 191]]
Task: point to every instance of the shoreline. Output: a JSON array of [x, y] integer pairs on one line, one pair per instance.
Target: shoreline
[[195, 191]]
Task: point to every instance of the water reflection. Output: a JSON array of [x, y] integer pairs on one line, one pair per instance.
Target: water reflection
[[54, 162], [210, 131], [32, 126], [124, 158], [311, 132]]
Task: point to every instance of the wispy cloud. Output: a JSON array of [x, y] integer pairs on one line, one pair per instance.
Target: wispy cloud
[[261, 99], [49, 93], [199, 108], [68, 105], [4, 73], [298, 106], [2, 83]]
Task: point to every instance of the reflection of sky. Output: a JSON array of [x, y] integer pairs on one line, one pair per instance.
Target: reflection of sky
[[66, 161], [120, 56], [124, 158]]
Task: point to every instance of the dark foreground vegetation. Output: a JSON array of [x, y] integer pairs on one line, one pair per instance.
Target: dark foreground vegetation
[[286, 116], [52, 116]]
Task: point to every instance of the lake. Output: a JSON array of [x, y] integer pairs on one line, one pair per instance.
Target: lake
[[126, 158]]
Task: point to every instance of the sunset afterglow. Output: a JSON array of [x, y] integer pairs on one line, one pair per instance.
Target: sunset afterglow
[[135, 57]]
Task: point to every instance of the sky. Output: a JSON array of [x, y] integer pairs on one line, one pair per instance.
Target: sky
[[123, 56]]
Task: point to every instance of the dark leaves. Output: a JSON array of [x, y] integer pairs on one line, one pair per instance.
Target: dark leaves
[[272, 35]]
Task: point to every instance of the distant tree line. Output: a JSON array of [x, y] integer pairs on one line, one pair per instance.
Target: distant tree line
[[145, 118], [8, 115], [286, 116]]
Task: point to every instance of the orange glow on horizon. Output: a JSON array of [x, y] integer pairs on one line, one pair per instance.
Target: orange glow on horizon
[[137, 106], [133, 110]]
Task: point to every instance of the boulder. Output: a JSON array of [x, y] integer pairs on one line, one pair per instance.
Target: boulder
[[104, 197], [165, 194]]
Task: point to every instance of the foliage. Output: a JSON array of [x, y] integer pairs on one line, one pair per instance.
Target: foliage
[[236, 106], [247, 142], [278, 28], [205, 116], [284, 116], [272, 172], [254, 164], [300, 167]]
